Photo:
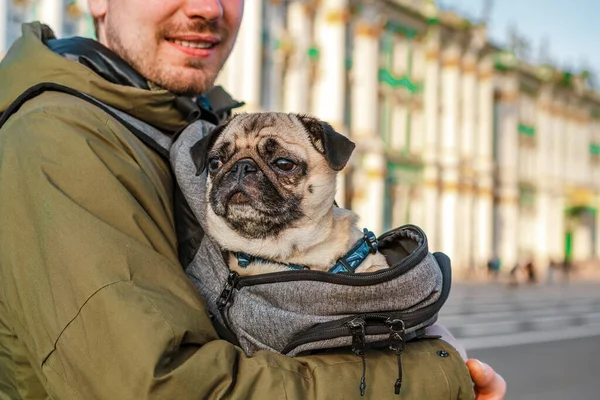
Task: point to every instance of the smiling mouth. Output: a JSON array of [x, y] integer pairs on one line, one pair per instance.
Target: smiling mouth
[[200, 44]]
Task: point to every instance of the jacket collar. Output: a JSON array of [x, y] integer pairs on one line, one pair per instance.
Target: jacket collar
[[213, 106], [99, 59]]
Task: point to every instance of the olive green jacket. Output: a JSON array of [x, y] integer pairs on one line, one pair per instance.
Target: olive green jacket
[[93, 301]]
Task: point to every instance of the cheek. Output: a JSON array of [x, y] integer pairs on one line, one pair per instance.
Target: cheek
[[321, 187], [293, 183], [232, 13], [142, 20], [153, 12]]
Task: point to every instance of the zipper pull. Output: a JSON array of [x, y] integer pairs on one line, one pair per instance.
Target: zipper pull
[[397, 334], [357, 328], [225, 296]]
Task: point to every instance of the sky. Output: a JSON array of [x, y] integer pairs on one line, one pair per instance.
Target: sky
[[572, 27]]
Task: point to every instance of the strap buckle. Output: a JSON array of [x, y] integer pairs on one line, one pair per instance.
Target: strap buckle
[[371, 240]]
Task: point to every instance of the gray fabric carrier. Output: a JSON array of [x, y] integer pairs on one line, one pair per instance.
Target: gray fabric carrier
[[297, 312]]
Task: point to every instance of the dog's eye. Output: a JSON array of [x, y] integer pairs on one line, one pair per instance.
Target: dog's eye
[[214, 164], [284, 164]]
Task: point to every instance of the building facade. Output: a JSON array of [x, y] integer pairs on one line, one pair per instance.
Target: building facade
[[489, 155], [66, 17], [411, 86], [546, 153]]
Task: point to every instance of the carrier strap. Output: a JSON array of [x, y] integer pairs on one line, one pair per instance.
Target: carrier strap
[[149, 135], [156, 139]]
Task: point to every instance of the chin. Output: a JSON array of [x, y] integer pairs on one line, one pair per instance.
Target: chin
[[185, 81]]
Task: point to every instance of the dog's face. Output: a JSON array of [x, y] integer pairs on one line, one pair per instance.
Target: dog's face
[[270, 172]]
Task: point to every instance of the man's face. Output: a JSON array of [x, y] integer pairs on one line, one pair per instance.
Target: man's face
[[178, 44]]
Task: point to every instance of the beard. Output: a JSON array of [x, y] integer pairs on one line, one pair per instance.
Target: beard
[[195, 77]]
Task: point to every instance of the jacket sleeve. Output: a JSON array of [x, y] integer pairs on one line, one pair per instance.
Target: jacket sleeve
[[90, 278]]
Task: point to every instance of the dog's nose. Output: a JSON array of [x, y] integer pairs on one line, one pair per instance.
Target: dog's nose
[[243, 167]]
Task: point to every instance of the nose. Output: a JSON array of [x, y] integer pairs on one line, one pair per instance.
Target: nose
[[209, 10], [243, 167]]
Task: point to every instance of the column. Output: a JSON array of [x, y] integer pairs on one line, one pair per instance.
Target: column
[[557, 229], [431, 224], [507, 162], [418, 124], [51, 13], [483, 165], [369, 178], [597, 221], [329, 89], [417, 211], [242, 73], [297, 77], [566, 173], [595, 138], [558, 226], [542, 223], [448, 152], [274, 57], [464, 247], [251, 62], [399, 139], [542, 179], [330, 85]]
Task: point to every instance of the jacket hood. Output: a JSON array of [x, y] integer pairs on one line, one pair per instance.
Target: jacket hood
[[30, 61]]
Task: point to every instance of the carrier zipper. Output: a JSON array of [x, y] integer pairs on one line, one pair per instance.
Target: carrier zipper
[[359, 341], [397, 335], [224, 299], [349, 279], [344, 330]]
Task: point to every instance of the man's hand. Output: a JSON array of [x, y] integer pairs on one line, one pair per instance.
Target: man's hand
[[488, 384]]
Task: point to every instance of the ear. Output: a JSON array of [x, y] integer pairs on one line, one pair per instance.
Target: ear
[[199, 151], [336, 147], [98, 8]]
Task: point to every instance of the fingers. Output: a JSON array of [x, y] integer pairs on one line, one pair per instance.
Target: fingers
[[479, 373], [488, 384]]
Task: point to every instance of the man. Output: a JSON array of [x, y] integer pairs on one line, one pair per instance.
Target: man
[[93, 301]]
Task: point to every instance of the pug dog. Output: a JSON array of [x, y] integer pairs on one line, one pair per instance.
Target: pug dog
[[271, 180]]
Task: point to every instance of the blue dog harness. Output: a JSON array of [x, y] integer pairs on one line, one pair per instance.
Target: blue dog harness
[[345, 265]]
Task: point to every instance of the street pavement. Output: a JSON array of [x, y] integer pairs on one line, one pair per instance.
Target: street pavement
[[544, 340], [498, 315], [557, 370]]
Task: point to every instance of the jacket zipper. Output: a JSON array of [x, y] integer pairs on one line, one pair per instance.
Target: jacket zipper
[[225, 298]]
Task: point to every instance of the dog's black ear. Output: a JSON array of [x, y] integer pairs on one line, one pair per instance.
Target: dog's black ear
[[200, 149], [336, 147]]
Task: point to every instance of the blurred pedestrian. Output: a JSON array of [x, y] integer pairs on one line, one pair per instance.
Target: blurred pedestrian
[[493, 266], [531, 273]]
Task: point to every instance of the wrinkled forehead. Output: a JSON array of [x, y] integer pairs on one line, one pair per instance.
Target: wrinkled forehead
[[250, 129]]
